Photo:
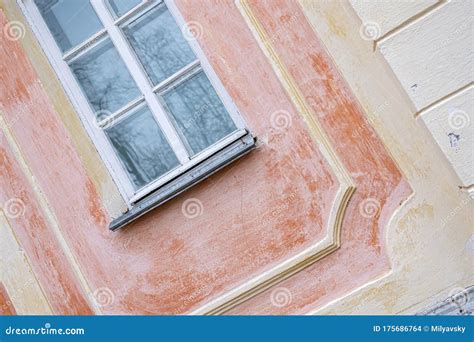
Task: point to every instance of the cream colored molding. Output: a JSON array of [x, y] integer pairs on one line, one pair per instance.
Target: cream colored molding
[[379, 280], [287, 268], [331, 242], [24, 290], [49, 215]]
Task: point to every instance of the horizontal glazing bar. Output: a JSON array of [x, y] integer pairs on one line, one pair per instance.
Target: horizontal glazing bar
[[71, 54], [120, 114], [131, 14], [191, 68]]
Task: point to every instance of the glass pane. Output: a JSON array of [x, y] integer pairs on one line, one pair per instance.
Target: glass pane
[[104, 79], [198, 112], [159, 44], [120, 7], [70, 21], [142, 147]]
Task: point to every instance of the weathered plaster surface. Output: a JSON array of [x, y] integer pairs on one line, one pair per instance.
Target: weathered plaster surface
[[428, 239], [260, 210], [16, 275], [6, 306], [375, 175], [380, 20], [31, 229], [167, 263], [48, 79], [433, 57], [431, 53], [451, 124]]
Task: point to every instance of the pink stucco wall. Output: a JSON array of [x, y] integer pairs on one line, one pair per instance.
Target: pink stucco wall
[[257, 212]]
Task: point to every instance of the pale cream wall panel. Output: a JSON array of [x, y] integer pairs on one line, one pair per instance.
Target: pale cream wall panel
[[451, 124], [15, 272], [429, 238], [433, 56], [385, 15]]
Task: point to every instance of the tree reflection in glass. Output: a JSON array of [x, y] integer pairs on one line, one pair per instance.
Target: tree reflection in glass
[[198, 112], [159, 44], [104, 78], [142, 147]]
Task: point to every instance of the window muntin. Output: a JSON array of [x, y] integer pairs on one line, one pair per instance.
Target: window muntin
[[120, 7], [150, 96], [158, 43]]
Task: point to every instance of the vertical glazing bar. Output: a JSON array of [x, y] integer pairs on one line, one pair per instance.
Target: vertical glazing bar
[[141, 79]]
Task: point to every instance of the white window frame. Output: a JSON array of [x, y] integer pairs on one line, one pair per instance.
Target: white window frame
[[95, 130]]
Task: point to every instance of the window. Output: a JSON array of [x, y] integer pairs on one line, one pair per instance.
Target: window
[[151, 103]]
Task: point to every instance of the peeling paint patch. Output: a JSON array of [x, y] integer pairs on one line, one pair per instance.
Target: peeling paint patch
[[453, 139]]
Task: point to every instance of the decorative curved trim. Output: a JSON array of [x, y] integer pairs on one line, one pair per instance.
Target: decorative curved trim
[[285, 269], [332, 241]]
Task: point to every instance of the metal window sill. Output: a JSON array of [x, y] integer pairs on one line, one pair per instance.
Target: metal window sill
[[186, 180]]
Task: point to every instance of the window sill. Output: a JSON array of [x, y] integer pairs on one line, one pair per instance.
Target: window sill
[[144, 192], [186, 180]]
